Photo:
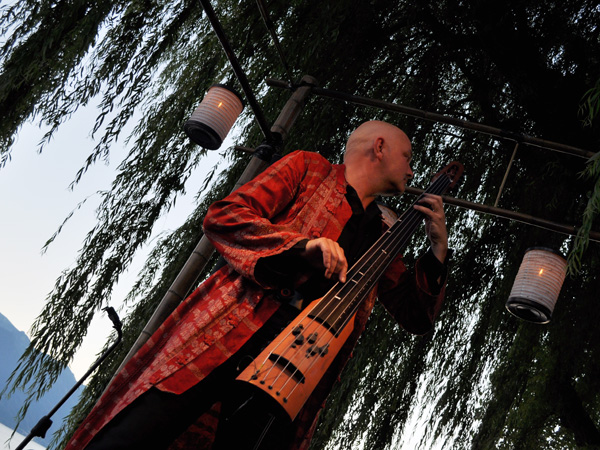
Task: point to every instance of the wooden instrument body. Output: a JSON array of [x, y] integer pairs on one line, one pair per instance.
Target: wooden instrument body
[[286, 368]]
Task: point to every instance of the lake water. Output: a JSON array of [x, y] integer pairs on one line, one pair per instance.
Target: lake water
[[5, 433]]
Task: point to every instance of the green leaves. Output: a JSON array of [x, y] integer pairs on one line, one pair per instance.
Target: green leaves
[[592, 209], [590, 104]]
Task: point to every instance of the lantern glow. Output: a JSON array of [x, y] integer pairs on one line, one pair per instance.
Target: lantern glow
[[215, 116], [537, 285]]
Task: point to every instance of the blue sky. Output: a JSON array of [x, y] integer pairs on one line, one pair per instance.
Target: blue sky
[[34, 201]]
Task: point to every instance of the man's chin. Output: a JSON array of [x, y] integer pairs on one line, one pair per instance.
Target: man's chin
[[393, 192]]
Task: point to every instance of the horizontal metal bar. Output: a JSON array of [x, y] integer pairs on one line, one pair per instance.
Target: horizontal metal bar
[[241, 148], [435, 117], [507, 214]]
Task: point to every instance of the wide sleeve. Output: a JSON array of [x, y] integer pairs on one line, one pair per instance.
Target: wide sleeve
[[251, 223], [414, 297]]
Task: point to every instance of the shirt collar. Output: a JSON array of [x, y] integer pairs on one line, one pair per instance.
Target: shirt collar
[[356, 205]]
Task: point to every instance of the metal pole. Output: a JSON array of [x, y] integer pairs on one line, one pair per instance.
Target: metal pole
[[406, 110], [507, 214], [512, 158], [41, 428], [188, 276], [237, 68], [271, 28]]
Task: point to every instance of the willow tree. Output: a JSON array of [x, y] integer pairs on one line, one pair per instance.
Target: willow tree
[[481, 378]]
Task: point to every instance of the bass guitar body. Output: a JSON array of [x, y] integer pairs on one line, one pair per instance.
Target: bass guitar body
[[292, 365]]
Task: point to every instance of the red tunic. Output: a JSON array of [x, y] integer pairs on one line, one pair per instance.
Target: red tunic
[[300, 196]]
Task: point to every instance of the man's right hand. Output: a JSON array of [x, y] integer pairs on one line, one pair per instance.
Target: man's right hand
[[325, 254]]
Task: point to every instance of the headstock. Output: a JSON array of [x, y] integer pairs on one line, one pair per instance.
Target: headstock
[[454, 171]]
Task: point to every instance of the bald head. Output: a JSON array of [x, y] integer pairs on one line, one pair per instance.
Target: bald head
[[377, 160], [362, 139]]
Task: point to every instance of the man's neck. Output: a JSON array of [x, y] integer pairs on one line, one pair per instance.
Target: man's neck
[[360, 183]]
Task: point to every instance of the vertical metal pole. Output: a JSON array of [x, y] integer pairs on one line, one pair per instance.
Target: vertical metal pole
[[512, 158], [237, 68], [187, 277]]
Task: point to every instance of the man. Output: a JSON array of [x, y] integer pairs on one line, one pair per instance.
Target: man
[[298, 226]]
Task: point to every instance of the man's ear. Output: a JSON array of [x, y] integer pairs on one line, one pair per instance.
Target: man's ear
[[378, 147]]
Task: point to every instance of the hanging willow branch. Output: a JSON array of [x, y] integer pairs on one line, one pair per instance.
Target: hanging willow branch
[[589, 109]]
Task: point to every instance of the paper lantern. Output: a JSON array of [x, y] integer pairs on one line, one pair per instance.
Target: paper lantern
[[215, 116], [537, 285]]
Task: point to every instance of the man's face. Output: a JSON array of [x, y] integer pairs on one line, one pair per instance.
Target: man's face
[[396, 164]]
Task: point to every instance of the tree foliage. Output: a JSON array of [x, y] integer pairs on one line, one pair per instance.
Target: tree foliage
[[483, 378]]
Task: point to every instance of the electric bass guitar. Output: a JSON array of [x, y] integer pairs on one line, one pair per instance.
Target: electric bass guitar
[[291, 366]]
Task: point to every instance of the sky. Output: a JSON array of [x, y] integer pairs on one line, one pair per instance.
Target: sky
[[35, 199]]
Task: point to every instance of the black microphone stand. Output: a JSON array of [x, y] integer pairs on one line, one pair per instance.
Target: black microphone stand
[[40, 428]]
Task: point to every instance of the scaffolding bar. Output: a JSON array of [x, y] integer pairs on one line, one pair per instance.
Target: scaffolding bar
[[237, 69], [435, 117], [271, 29], [506, 214], [510, 163]]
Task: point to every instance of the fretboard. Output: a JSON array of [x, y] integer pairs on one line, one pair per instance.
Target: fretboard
[[342, 301]]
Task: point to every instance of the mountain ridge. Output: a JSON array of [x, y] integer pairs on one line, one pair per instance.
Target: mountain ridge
[[13, 343]]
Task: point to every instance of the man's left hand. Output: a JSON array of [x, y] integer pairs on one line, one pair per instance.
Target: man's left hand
[[435, 224]]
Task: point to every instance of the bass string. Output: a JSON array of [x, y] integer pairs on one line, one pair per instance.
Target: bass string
[[392, 243], [274, 349], [392, 240], [435, 187], [388, 250], [407, 223]]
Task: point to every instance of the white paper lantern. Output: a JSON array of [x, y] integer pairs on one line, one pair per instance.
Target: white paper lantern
[[537, 285], [215, 116]]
